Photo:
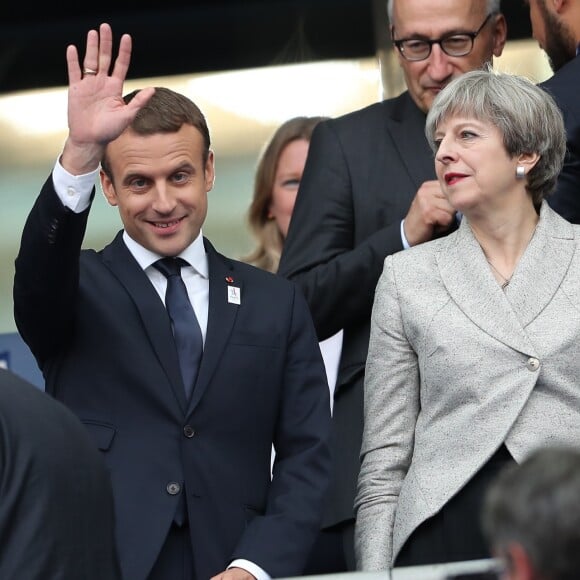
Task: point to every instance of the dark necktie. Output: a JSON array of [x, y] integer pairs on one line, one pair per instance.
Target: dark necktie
[[186, 330]]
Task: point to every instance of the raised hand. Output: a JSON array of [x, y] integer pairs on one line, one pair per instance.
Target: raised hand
[[97, 113], [429, 214]]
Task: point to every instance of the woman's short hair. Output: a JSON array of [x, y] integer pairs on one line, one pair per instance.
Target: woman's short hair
[[526, 116]]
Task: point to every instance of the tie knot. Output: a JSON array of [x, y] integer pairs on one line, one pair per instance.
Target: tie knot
[[170, 266]]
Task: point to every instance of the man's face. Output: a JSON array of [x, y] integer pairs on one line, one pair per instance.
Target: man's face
[[160, 185], [552, 33], [433, 19]]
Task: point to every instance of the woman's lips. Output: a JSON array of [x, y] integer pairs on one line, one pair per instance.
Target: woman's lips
[[453, 178]]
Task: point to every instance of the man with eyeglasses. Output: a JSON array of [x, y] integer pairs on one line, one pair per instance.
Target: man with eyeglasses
[[452, 44], [556, 27], [369, 190]]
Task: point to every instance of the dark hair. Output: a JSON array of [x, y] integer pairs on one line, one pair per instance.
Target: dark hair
[[165, 112], [537, 505]]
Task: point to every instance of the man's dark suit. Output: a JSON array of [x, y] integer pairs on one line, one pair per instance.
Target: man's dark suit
[[103, 339], [56, 502], [563, 86], [362, 172]]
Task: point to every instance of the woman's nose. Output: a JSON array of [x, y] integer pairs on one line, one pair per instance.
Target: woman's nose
[[445, 151]]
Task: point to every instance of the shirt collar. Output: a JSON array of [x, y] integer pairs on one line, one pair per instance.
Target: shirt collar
[[194, 254]]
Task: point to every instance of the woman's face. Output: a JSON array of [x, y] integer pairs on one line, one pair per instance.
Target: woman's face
[[286, 181], [473, 166]]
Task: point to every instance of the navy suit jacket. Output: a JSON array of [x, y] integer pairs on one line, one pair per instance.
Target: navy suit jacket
[[103, 340], [56, 502], [563, 86]]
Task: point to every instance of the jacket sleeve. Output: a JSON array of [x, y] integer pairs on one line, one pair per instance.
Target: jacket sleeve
[[47, 273], [391, 407]]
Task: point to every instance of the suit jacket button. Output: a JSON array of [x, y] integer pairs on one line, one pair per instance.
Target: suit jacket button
[[533, 364], [173, 488], [189, 431]]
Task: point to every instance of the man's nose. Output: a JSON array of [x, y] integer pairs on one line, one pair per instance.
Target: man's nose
[[163, 201], [440, 68]]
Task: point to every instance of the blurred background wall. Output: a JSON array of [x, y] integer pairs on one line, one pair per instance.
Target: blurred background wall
[[249, 65]]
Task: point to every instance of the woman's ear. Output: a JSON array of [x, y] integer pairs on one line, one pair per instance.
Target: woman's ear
[[528, 160]]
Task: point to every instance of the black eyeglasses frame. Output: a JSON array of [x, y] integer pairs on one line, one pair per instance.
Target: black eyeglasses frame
[[430, 42]]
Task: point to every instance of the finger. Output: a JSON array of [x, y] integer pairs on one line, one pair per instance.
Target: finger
[[72, 63], [133, 107], [443, 205], [444, 217], [140, 99], [431, 189], [123, 58], [91, 60], [105, 48]]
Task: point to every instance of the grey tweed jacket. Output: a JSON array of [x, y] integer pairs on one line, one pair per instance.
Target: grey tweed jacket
[[456, 367]]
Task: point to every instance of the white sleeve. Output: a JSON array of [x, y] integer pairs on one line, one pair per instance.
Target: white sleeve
[[73, 190]]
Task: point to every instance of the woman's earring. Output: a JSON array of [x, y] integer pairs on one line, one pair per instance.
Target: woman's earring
[[520, 172]]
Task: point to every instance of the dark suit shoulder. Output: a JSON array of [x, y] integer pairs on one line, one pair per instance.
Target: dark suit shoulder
[[563, 85], [247, 272], [39, 417], [366, 117], [55, 490], [262, 277]]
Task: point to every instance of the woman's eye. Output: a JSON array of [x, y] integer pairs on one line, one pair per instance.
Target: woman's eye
[[467, 134]]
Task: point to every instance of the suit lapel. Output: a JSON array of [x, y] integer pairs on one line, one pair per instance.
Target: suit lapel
[[153, 314], [466, 275], [404, 122], [533, 286], [221, 317]]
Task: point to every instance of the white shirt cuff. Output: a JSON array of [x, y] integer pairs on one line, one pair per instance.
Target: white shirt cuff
[[251, 568], [406, 244], [73, 190]]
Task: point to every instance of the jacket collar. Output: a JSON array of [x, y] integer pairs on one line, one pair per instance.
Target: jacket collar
[[405, 122], [505, 314]]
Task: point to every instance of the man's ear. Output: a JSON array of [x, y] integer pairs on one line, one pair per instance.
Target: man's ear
[[108, 189], [209, 171], [558, 5], [499, 34], [519, 564]]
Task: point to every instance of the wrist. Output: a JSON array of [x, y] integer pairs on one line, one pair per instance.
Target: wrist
[[80, 159]]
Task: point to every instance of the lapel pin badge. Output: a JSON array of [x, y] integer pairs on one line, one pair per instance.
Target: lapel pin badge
[[233, 294], [229, 279]]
